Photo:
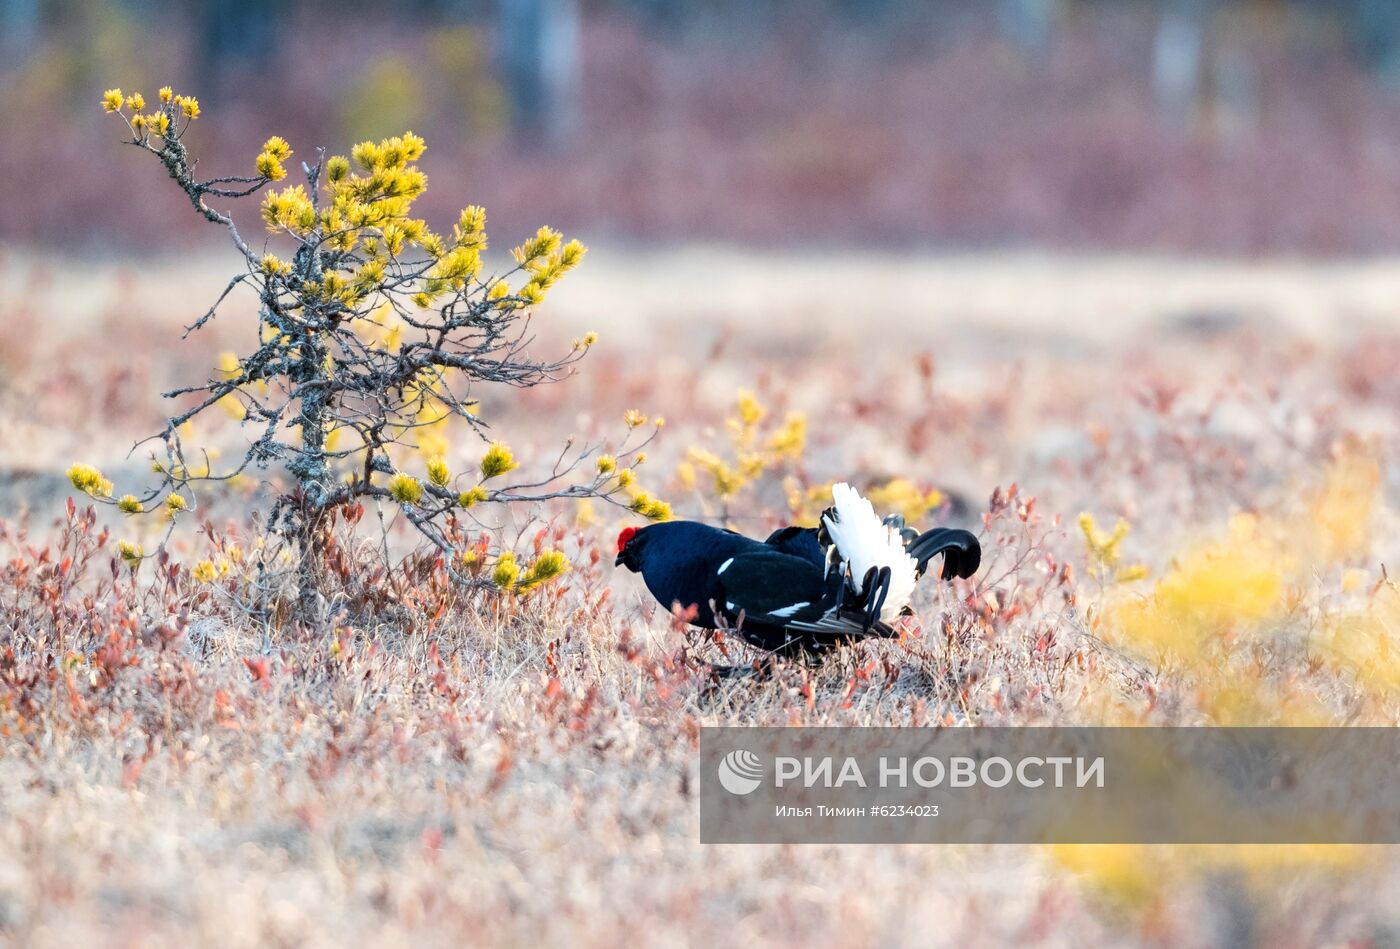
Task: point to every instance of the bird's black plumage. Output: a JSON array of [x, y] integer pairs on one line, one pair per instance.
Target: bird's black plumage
[[799, 541], [783, 595], [962, 554], [778, 601]]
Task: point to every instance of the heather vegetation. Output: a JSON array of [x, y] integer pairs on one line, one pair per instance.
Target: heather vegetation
[[1167, 540], [310, 631]]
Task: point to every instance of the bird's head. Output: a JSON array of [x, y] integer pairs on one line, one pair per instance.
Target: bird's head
[[629, 549]]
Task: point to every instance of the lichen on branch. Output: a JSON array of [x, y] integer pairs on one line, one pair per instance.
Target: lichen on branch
[[375, 331]]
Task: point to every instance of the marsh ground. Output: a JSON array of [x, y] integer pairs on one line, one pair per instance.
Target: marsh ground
[[177, 762]]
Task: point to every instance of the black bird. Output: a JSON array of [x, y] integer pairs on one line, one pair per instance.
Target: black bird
[[804, 590]]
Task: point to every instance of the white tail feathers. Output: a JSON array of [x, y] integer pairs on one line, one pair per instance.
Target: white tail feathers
[[864, 541]]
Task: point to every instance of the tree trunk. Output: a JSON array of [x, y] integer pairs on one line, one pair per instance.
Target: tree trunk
[[238, 31], [540, 52], [313, 474], [19, 29]]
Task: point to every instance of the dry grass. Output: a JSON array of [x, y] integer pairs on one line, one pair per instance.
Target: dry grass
[[178, 763]]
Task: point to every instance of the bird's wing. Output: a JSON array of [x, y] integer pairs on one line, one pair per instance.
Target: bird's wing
[[800, 542], [777, 589]]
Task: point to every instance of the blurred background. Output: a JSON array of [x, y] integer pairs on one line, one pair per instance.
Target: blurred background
[[1195, 126], [1017, 265]]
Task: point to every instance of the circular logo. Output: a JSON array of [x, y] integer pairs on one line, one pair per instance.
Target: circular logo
[[740, 772]]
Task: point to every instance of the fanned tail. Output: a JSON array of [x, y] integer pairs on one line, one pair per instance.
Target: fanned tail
[[962, 554], [880, 571]]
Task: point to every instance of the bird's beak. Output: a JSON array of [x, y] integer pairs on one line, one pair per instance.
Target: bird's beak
[[618, 561]]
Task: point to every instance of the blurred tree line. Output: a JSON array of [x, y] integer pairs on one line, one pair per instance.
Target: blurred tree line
[[535, 48], [1219, 124]]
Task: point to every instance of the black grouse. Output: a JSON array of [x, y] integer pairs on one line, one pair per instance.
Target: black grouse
[[803, 590]]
